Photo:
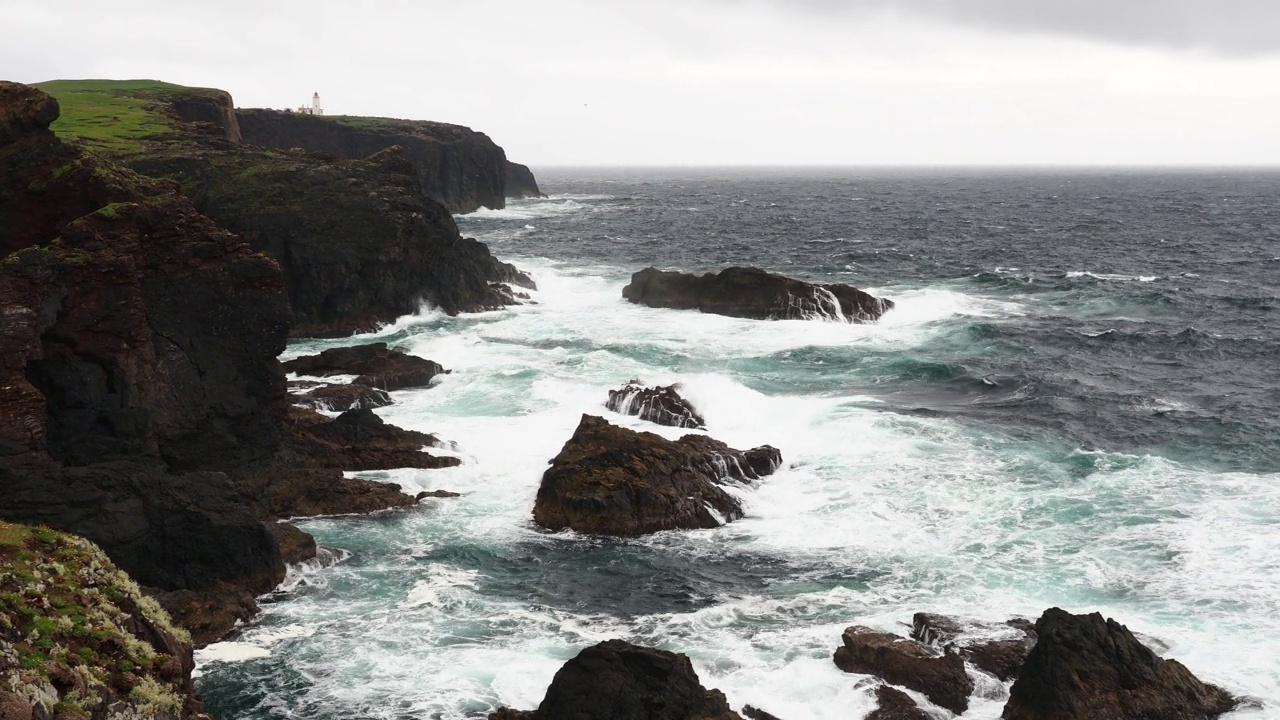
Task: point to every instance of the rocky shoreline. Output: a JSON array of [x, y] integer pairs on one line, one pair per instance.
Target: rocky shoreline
[[148, 291]]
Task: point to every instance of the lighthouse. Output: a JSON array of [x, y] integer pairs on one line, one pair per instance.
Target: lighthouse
[[315, 105]]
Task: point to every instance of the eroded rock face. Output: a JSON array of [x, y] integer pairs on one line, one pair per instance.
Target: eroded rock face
[[747, 292], [374, 364], [616, 680], [454, 165], [1085, 666], [940, 676], [520, 182], [610, 480], [662, 405]]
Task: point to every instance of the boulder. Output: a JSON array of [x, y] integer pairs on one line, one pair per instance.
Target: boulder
[[999, 649], [748, 292], [616, 680], [374, 364], [893, 704], [25, 111], [662, 405], [1085, 666], [610, 480], [939, 675]]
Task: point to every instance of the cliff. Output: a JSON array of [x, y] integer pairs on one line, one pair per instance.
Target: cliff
[[462, 169], [358, 240], [521, 183], [144, 407], [81, 640]]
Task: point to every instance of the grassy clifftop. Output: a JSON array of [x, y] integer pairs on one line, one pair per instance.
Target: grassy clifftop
[[118, 115], [78, 638]]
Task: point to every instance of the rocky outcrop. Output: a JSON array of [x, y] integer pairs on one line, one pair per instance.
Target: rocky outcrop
[[460, 168], [359, 440], [358, 242], [610, 480], [79, 639], [999, 649], [747, 292], [939, 675], [662, 405], [616, 680], [1085, 666], [893, 704], [374, 365], [520, 182]]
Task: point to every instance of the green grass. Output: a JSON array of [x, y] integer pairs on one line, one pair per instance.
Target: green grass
[[114, 115]]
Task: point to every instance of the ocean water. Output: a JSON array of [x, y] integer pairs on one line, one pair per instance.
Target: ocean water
[[1074, 403]]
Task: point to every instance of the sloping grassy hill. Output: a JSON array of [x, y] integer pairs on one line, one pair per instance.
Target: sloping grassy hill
[[115, 115]]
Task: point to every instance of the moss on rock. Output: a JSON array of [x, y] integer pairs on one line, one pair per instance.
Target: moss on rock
[[79, 639]]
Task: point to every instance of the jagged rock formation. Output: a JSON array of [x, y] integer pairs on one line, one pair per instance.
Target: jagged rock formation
[[997, 649], [614, 481], [753, 293], [138, 372], [79, 640], [939, 675], [1085, 666], [454, 165], [358, 241], [337, 397], [616, 680], [374, 365], [662, 405], [521, 182]]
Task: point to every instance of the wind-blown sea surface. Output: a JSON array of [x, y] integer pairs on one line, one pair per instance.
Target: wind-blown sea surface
[[1074, 403]]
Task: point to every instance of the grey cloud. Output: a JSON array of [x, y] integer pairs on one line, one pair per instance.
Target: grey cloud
[[1228, 27]]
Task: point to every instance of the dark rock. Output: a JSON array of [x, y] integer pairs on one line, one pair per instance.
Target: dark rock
[[614, 481], [661, 405], [13, 706], [616, 680], [940, 676], [753, 293], [24, 111], [893, 704], [520, 182], [756, 713], [1085, 666], [340, 398], [375, 365], [296, 546], [436, 494], [208, 614], [358, 440], [1002, 657], [456, 166]]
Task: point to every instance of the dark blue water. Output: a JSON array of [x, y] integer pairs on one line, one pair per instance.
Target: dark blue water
[[1156, 295]]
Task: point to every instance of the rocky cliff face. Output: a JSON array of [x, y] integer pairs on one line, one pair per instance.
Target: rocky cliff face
[[454, 165], [138, 349], [521, 183], [144, 407]]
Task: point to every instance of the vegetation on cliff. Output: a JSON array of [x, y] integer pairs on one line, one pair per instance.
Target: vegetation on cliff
[[78, 639], [120, 115]]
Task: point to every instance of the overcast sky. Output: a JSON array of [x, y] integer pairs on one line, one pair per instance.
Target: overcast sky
[[698, 82]]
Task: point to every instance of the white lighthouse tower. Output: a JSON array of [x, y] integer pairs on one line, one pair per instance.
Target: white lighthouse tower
[[315, 105]]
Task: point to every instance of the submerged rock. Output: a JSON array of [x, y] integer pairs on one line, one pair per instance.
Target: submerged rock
[[340, 398], [1085, 667], [614, 481], [939, 675], [748, 292], [616, 680], [1002, 655], [662, 405], [893, 704], [375, 365]]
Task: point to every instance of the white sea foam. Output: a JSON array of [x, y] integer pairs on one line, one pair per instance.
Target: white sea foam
[[873, 516]]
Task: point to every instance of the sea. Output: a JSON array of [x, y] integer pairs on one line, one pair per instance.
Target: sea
[[1074, 403]]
